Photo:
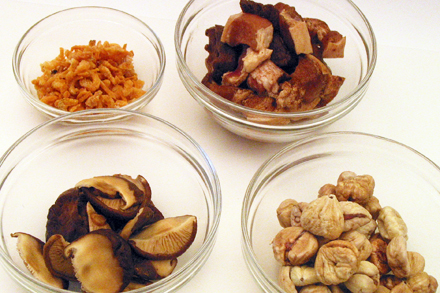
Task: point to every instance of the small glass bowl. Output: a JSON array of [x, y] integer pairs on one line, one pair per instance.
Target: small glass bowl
[[357, 67], [404, 178], [77, 26], [53, 157]]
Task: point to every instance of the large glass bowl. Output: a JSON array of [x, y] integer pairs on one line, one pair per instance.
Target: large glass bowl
[[357, 67], [55, 156], [77, 26], [405, 180]]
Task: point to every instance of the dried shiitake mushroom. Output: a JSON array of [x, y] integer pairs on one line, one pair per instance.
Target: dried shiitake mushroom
[[55, 259], [162, 268], [68, 216], [110, 270], [145, 216], [30, 250], [146, 270], [96, 221], [166, 238], [93, 231], [112, 196], [140, 182]]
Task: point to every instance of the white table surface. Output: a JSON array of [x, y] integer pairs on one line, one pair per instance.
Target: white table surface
[[402, 103]]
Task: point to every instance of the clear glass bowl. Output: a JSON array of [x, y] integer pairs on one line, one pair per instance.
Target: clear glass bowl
[[55, 156], [405, 180], [77, 26], [357, 66]]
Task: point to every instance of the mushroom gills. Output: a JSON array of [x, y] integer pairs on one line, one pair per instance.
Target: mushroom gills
[[56, 261], [30, 250], [165, 239]]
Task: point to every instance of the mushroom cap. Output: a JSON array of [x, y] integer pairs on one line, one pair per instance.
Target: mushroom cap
[[67, 216], [140, 182], [102, 261], [147, 215], [148, 270], [113, 196]]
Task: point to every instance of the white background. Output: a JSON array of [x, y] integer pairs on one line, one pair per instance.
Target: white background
[[402, 103]]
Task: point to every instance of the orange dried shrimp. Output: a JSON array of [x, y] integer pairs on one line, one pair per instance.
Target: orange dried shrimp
[[98, 75]]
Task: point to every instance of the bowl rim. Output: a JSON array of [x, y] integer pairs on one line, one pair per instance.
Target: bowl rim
[[54, 112], [258, 273], [349, 97], [180, 276]]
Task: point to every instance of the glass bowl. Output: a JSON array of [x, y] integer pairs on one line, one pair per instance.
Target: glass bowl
[[357, 67], [77, 26], [404, 180], [53, 157]]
